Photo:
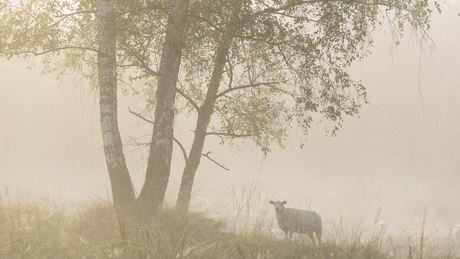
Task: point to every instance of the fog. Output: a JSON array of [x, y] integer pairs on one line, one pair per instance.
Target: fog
[[400, 154]]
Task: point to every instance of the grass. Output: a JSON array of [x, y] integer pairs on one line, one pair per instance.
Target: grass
[[47, 229]]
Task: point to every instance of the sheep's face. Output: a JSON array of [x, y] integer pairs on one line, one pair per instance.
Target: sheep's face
[[279, 205]]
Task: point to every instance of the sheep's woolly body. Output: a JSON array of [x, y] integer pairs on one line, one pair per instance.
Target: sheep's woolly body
[[298, 221]]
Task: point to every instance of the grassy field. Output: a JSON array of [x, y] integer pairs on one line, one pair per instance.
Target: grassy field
[[44, 228]]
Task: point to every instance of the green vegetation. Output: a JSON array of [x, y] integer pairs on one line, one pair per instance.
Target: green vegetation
[[244, 71], [46, 229]]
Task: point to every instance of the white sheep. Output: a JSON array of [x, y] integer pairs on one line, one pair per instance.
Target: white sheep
[[298, 221], [199, 204], [457, 232], [381, 228]]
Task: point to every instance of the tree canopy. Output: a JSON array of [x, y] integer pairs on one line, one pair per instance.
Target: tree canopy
[[250, 69]]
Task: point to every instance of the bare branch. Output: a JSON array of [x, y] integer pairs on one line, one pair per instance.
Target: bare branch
[[140, 116], [137, 143], [151, 122], [215, 162], [184, 153], [188, 98]]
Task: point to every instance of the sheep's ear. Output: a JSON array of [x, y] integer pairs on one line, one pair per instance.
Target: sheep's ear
[[284, 202], [271, 202]]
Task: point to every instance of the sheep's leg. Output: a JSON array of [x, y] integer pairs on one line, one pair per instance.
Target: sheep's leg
[[286, 235], [290, 235], [310, 234], [318, 236]]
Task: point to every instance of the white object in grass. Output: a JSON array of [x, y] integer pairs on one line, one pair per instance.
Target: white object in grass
[[199, 204], [457, 232], [381, 228]]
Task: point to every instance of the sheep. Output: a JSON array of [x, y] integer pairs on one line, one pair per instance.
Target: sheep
[[298, 221], [199, 204], [457, 232], [381, 228]]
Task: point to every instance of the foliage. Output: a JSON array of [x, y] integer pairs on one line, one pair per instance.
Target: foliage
[[287, 62], [63, 32]]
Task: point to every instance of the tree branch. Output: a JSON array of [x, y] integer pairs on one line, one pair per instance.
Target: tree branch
[[271, 10], [193, 103], [208, 22], [248, 86], [142, 62], [136, 142], [261, 40], [140, 116], [215, 162], [35, 53], [64, 16], [184, 152], [149, 7], [70, 14], [229, 134]]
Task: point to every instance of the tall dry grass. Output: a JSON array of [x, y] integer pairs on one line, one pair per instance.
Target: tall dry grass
[[44, 228]]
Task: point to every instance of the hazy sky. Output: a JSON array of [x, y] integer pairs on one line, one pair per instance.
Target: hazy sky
[[404, 143]]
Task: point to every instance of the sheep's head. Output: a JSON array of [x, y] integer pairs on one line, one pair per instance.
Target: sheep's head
[[279, 205]]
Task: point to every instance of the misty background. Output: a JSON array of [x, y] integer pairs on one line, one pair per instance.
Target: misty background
[[400, 154]]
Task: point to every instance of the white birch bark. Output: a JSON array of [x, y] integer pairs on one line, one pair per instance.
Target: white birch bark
[[122, 188]]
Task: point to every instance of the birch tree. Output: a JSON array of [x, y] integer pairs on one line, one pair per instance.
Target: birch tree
[[82, 37], [159, 162], [122, 187], [54, 28], [278, 63], [206, 110], [254, 69]]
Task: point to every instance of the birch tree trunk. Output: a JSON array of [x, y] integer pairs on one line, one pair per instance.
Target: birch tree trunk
[[205, 112], [159, 163], [122, 187]]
